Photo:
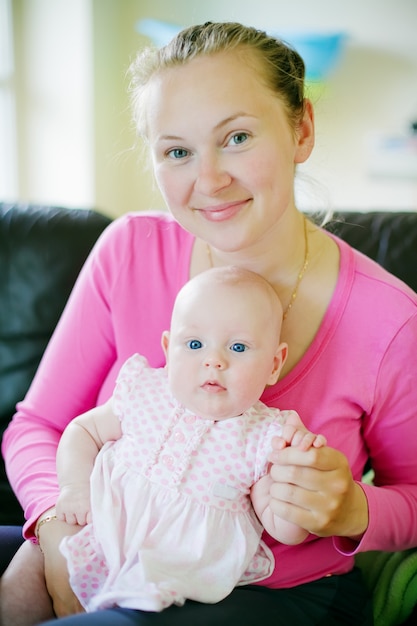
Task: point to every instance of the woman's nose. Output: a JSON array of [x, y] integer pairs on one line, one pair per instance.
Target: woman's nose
[[211, 176]]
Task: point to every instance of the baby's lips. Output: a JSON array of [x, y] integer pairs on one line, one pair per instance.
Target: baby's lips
[[212, 386]]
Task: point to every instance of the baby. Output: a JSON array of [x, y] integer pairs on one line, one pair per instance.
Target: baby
[[169, 478]]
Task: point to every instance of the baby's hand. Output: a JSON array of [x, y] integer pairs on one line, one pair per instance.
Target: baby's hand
[[73, 504], [295, 434]]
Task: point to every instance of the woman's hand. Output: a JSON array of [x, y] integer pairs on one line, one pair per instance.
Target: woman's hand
[[56, 573], [315, 490]]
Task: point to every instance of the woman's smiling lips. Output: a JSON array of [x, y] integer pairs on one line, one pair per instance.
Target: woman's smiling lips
[[222, 212]]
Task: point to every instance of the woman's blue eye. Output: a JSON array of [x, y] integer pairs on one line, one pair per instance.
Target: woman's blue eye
[[238, 347], [194, 344], [177, 153], [239, 138]]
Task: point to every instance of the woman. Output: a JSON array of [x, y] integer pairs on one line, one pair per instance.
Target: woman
[[223, 110]]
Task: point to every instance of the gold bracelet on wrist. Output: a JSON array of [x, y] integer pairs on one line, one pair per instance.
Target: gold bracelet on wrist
[[45, 520]]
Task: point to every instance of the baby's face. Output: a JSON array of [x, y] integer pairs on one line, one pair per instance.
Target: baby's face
[[223, 350]]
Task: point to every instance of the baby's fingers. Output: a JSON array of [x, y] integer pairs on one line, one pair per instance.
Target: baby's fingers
[[279, 443], [74, 518], [320, 441], [297, 436], [67, 517], [289, 433], [303, 440]]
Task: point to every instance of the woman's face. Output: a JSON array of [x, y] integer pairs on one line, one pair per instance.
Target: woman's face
[[223, 151]]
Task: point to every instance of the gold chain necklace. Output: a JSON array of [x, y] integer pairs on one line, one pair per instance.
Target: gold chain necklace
[[300, 275]]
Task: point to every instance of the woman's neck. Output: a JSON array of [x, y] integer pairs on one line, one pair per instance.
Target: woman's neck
[[281, 256]]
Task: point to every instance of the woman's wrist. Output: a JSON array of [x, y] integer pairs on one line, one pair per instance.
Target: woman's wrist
[[360, 514], [47, 516]]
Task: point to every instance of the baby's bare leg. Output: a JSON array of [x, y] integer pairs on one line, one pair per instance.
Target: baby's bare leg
[[24, 599]]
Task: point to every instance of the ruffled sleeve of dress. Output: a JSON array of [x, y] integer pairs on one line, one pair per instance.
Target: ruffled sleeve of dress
[[270, 426], [128, 378]]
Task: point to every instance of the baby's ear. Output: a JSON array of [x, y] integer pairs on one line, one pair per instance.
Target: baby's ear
[[280, 357], [165, 343]]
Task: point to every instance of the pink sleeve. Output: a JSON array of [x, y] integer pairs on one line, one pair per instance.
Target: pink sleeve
[[117, 307], [390, 434], [67, 383]]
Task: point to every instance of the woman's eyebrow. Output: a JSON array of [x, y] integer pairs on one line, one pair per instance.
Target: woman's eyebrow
[[232, 118], [218, 126]]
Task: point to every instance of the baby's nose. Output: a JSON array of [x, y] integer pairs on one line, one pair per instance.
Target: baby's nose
[[215, 360]]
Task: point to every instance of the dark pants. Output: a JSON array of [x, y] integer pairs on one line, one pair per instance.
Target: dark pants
[[332, 601], [10, 540]]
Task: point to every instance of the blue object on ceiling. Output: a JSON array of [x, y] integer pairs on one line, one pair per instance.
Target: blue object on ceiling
[[160, 33], [320, 51]]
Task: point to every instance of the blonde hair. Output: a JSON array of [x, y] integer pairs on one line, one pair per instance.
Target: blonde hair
[[283, 68]]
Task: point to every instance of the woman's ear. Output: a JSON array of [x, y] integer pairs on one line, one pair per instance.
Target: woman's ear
[[165, 343], [305, 134], [280, 357]]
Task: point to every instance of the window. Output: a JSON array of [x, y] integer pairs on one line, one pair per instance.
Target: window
[[8, 157]]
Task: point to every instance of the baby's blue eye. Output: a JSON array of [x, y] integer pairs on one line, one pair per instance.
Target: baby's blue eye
[[238, 347], [194, 344], [177, 153]]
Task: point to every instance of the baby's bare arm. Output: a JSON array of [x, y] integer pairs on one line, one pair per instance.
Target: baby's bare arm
[[79, 445]]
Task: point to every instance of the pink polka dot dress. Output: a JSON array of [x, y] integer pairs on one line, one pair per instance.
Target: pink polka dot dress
[[171, 514]]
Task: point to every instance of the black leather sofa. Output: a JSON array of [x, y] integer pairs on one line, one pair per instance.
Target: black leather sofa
[[42, 249]]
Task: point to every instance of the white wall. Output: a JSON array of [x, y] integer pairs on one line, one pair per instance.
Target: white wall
[[54, 82]]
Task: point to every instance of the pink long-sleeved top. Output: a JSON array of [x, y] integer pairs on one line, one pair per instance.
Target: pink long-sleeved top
[[357, 382]]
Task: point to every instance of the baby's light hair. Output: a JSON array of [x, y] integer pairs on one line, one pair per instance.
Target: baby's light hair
[[236, 277]]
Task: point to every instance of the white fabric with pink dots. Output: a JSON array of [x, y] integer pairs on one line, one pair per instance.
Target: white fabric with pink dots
[[171, 514]]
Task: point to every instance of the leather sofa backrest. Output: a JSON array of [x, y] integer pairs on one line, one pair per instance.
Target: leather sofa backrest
[[388, 237], [42, 250]]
